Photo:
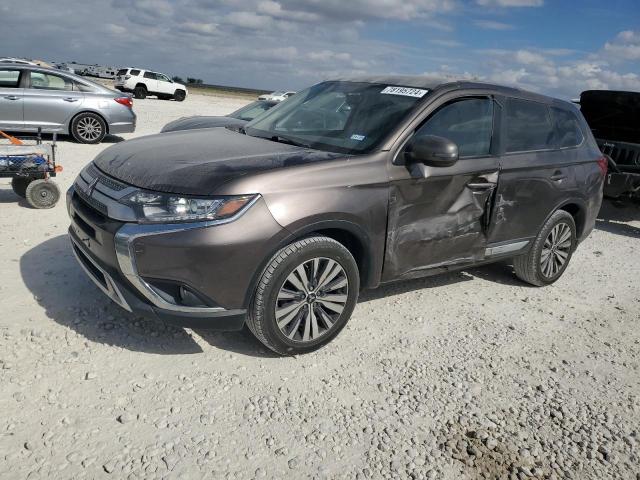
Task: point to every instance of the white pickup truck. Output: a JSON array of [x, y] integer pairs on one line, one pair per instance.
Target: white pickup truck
[[145, 82]]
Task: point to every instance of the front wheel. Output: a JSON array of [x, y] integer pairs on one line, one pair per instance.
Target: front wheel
[[305, 296], [552, 249], [179, 96]]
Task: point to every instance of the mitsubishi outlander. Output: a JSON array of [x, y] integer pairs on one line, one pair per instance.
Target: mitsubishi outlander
[[349, 184]]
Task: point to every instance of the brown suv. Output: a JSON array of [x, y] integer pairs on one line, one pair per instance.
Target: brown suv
[[347, 185]]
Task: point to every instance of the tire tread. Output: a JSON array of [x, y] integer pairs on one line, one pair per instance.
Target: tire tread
[[526, 266], [254, 315]]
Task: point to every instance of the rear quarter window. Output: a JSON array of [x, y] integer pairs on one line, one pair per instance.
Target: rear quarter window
[[567, 131], [135, 73], [528, 126], [81, 87]]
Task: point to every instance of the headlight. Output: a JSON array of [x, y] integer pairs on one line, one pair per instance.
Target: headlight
[[152, 207]]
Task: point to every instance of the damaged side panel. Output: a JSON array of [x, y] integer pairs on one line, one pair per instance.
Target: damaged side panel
[[439, 217]]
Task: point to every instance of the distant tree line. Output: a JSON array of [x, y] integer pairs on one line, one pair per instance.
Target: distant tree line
[[190, 80]]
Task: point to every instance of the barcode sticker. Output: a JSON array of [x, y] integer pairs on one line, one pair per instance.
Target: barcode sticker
[[405, 91]]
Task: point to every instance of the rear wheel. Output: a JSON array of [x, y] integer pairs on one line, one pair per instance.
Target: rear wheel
[[20, 184], [140, 92], [42, 194], [305, 296], [88, 128], [551, 252], [180, 95]]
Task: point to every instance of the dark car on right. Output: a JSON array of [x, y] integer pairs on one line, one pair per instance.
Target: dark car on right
[[349, 184], [614, 118]]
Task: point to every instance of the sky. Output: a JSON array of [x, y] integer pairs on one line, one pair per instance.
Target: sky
[[557, 47]]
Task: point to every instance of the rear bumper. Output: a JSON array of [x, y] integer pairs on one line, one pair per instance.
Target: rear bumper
[[123, 127]]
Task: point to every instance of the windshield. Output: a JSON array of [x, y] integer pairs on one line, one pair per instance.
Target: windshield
[[344, 117]]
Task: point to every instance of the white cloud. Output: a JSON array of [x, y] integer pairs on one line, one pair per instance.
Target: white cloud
[[493, 25], [626, 46], [511, 3]]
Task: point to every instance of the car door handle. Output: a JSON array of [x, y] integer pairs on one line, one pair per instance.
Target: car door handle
[[558, 176], [481, 185], [70, 99], [12, 97]]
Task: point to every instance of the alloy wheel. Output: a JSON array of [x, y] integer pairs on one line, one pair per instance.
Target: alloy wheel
[[311, 299], [556, 250], [89, 129]]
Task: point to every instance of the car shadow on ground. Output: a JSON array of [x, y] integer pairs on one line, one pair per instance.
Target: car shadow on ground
[[69, 298], [52, 274], [615, 215]]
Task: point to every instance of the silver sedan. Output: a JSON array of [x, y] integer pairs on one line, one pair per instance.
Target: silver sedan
[[33, 97]]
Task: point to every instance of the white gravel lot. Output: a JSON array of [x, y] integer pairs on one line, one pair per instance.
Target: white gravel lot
[[466, 375]]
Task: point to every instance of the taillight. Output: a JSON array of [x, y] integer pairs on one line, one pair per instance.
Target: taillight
[[126, 101], [127, 77], [603, 163]]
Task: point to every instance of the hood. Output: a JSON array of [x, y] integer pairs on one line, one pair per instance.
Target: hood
[[188, 123], [196, 162]]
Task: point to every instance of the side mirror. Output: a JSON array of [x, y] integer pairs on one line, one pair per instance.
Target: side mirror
[[431, 150]]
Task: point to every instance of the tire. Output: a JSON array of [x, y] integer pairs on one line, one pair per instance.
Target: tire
[[42, 194], [179, 96], [20, 184], [308, 319], [88, 128], [542, 264], [140, 92]]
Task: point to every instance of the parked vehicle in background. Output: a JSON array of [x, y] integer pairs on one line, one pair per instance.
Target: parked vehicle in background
[[614, 118], [64, 67], [347, 185], [33, 97], [276, 96], [145, 82], [238, 119]]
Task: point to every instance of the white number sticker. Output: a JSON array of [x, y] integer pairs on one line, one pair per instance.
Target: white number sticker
[[405, 91]]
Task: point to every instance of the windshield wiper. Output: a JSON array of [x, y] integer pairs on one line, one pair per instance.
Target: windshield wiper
[[288, 141]]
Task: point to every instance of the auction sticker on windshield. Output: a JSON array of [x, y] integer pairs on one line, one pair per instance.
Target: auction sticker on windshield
[[405, 91]]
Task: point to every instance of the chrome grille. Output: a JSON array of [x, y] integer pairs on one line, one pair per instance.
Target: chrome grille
[[92, 202], [108, 182]]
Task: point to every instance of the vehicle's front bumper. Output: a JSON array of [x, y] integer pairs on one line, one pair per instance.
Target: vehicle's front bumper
[[105, 251], [115, 286]]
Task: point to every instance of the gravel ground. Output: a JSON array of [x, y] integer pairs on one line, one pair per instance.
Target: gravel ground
[[465, 375]]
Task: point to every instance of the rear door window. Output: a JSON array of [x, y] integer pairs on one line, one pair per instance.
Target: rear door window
[[567, 131], [528, 126], [467, 122], [9, 78], [150, 75], [47, 81]]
